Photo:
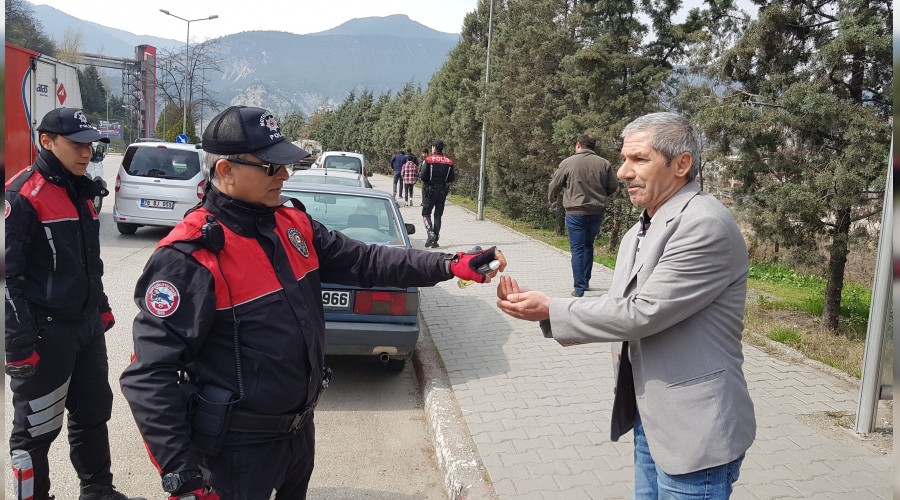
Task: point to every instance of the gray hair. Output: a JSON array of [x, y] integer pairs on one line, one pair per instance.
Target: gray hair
[[670, 134], [209, 165]]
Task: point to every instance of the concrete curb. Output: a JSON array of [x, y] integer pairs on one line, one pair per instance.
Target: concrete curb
[[463, 473]]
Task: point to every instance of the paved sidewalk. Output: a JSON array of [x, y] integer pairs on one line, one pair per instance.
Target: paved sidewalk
[[539, 413]]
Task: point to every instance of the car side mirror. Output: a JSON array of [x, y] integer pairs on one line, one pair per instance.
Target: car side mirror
[[410, 228]]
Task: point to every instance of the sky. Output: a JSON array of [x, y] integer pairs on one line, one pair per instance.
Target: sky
[[294, 16]]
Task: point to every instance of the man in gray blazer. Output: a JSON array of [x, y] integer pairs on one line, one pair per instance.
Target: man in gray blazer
[[674, 314]]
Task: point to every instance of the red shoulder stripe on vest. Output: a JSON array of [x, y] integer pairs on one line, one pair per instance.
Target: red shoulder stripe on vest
[[51, 202]]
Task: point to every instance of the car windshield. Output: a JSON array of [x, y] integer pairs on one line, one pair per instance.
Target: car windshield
[[314, 177], [343, 163], [362, 218], [162, 162]]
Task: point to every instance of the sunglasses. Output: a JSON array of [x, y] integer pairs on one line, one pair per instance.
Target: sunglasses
[[271, 168]]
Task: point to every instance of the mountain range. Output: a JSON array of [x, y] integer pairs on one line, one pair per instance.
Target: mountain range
[[286, 72]]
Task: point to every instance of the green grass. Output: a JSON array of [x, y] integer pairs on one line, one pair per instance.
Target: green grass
[[806, 293], [785, 335]]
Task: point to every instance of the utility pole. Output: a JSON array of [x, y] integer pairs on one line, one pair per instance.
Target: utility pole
[[188, 74], [487, 80]]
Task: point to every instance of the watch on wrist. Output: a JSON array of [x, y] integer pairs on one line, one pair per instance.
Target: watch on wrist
[[173, 481]]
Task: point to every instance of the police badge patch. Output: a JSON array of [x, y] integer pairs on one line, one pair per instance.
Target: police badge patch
[[297, 240], [162, 299]]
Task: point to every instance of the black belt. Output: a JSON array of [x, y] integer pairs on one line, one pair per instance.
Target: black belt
[[247, 421]]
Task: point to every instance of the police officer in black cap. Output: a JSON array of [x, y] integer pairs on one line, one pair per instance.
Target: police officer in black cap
[[229, 339], [436, 173], [57, 312]]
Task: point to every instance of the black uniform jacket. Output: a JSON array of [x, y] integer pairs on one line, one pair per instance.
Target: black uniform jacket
[[437, 171], [269, 277], [53, 265]]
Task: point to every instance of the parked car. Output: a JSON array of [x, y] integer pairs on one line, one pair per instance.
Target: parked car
[[330, 176], [314, 148], [379, 321], [156, 184], [343, 160]]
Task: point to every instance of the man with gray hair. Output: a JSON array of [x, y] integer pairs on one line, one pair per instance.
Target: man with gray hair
[[674, 315]]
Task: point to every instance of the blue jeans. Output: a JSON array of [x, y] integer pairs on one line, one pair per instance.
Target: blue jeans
[[650, 482], [583, 230], [398, 182]]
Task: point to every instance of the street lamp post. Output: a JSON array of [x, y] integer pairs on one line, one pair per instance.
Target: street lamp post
[[487, 81], [187, 62]]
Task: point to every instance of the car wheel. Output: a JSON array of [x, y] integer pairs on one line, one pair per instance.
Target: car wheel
[[395, 365], [126, 228]]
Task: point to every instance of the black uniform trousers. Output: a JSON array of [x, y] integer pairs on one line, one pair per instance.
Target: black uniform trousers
[[73, 375], [433, 198], [254, 471]]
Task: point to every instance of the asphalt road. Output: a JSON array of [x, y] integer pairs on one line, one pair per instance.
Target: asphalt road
[[371, 436]]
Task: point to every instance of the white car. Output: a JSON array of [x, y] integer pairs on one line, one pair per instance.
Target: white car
[[333, 176], [343, 160], [157, 183]]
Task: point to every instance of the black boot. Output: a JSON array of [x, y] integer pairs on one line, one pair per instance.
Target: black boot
[[103, 492], [431, 239]]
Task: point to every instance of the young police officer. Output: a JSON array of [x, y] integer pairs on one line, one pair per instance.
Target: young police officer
[[57, 313], [437, 174], [233, 297]]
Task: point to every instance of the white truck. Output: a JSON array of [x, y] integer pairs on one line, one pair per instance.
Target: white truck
[[35, 84]]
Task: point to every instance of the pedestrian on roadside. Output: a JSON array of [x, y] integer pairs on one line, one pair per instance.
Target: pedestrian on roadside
[[674, 314], [397, 162], [57, 313], [410, 173], [411, 156], [585, 181], [422, 159], [229, 337]]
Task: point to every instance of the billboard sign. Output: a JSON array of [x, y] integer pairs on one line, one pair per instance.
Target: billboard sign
[[110, 128]]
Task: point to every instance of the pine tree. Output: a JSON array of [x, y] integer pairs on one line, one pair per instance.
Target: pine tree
[[806, 114]]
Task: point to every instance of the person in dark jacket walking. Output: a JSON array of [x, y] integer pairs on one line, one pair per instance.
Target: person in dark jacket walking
[[437, 174], [57, 312], [397, 162], [585, 181], [229, 338]]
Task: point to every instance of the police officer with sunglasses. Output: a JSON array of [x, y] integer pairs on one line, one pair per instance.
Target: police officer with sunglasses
[[229, 339]]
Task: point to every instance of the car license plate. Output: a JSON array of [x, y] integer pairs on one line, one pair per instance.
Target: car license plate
[[335, 300], [145, 203]]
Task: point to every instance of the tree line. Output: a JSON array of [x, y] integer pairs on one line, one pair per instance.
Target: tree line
[[794, 105]]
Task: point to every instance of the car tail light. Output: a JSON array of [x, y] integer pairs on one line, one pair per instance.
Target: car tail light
[[118, 182], [389, 303], [200, 188]]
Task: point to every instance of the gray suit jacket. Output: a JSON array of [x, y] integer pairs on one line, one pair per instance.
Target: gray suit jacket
[[680, 305]]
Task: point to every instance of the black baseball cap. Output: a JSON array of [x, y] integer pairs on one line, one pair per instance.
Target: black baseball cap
[[72, 124], [438, 144], [245, 129]]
